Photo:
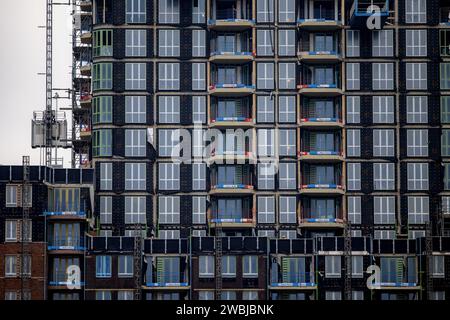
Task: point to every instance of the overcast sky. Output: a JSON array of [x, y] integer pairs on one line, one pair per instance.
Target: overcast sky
[[22, 57]]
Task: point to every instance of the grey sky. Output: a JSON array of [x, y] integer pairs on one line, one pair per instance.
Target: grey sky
[[22, 57]]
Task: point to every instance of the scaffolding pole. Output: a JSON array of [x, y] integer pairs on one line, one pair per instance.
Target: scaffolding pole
[[25, 258]]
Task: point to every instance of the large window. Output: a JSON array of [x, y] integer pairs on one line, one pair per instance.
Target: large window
[[265, 72], [169, 176], [445, 75], [198, 210], [354, 209], [102, 76], [265, 10], [353, 77], [250, 266], [103, 266], [105, 210], [135, 143], [102, 143], [416, 11], [417, 176], [383, 143], [265, 42], [417, 143], [102, 43], [266, 142], [135, 109], [353, 143], [199, 11], [135, 76], [169, 76], [333, 266], [353, 176], [229, 266], [286, 10], [198, 76], [206, 266], [168, 139], [265, 112], [416, 43], [286, 76], [288, 209], [383, 176], [353, 43], [198, 43], [169, 11], [135, 209], [136, 43], [286, 43], [169, 43], [198, 176], [383, 109], [136, 11], [266, 209], [199, 109], [416, 76], [266, 176], [102, 109], [383, 43], [418, 210], [287, 175], [169, 109], [135, 176], [417, 109], [287, 142], [384, 210], [105, 176], [125, 268], [286, 109], [383, 76]]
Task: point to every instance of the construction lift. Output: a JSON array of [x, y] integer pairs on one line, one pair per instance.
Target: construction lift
[[25, 254], [218, 258]]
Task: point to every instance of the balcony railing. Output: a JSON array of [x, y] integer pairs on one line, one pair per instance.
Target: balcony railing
[[291, 279], [66, 244], [62, 278], [162, 279]]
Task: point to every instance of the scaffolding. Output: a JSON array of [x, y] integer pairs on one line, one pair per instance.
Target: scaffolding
[[348, 261], [137, 263], [218, 259], [25, 256]]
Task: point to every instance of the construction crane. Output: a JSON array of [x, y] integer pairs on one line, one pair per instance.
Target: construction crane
[[25, 256]]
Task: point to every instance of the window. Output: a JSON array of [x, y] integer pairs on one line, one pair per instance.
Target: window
[[286, 43], [198, 143], [250, 295], [446, 176], [168, 139], [265, 43], [416, 43], [250, 266], [417, 109], [105, 210], [11, 196], [135, 76], [266, 142], [102, 109], [169, 76], [354, 209], [286, 109], [135, 209], [169, 176], [135, 176], [135, 11], [287, 234], [102, 143], [383, 109], [352, 43], [125, 295], [287, 176], [383, 176], [169, 109], [135, 143], [169, 43], [102, 76], [416, 76], [198, 176], [418, 210], [229, 266], [383, 76], [288, 206], [445, 76], [353, 176], [11, 230], [169, 210], [198, 210], [382, 43], [437, 266], [332, 266], [266, 233], [357, 295], [125, 266], [169, 11], [286, 10], [266, 176], [357, 267], [135, 43], [135, 109], [445, 205], [353, 77], [103, 295], [417, 143], [198, 43], [105, 176], [206, 295], [199, 109], [265, 72], [384, 234], [417, 176], [102, 43], [265, 109], [11, 269], [265, 9], [287, 142], [383, 143], [266, 209], [198, 11], [228, 295], [198, 76], [286, 74], [353, 143], [416, 11], [103, 266], [445, 143], [206, 266], [384, 210]]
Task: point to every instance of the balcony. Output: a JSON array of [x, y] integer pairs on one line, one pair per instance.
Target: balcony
[[317, 146], [231, 57], [86, 101], [86, 37], [166, 273], [321, 179], [59, 280], [299, 282], [66, 246], [320, 24], [320, 15], [86, 5], [85, 132], [319, 57], [231, 113], [321, 213], [362, 10], [232, 213], [231, 80], [231, 180], [231, 89], [291, 274], [230, 16], [320, 81], [397, 273], [321, 114], [86, 70], [65, 215]]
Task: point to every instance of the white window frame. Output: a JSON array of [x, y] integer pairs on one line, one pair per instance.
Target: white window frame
[[169, 210], [168, 176]]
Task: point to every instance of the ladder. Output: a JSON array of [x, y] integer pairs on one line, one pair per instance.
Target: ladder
[[25, 258], [218, 259], [348, 261], [428, 257], [137, 257]]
